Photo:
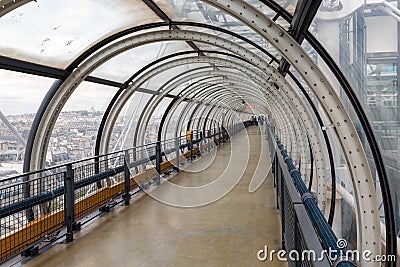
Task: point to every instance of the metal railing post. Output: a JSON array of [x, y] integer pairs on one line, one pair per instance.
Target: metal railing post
[[26, 188], [214, 136], [127, 179], [200, 144], [69, 200], [191, 146], [208, 140], [177, 153], [158, 162], [134, 154], [97, 170]]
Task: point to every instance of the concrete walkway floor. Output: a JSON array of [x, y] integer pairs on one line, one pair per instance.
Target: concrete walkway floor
[[228, 232]]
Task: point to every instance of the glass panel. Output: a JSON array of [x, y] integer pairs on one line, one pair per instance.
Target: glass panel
[[249, 35], [75, 132], [262, 7], [196, 68], [123, 66], [201, 12], [290, 5], [188, 10], [173, 123], [185, 118], [367, 53], [176, 46], [126, 123], [283, 23], [158, 81], [344, 223], [382, 89], [22, 93], [90, 96], [20, 97], [155, 120], [55, 32]]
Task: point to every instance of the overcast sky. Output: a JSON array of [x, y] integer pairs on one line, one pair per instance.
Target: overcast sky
[[22, 93]]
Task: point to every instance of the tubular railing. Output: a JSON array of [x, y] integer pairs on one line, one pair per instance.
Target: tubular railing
[[50, 204], [306, 235]]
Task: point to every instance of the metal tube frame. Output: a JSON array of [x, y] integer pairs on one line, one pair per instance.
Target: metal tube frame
[[331, 100], [368, 222]]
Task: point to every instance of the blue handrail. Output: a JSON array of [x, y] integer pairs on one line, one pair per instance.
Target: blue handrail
[[328, 238]]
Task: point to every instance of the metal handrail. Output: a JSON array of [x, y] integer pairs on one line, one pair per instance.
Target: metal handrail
[[63, 194], [85, 159], [316, 233]]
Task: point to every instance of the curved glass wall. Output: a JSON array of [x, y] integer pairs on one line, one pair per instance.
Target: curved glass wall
[[123, 66], [53, 34], [56, 38], [127, 121], [344, 223], [20, 97], [75, 132], [367, 53], [153, 124], [169, 130], [22, 93]]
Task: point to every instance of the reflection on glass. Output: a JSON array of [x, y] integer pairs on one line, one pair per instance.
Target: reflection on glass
[[56, 32], [20, 97], [123, 66], [75, 132], [367, 52], [198, 11]]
